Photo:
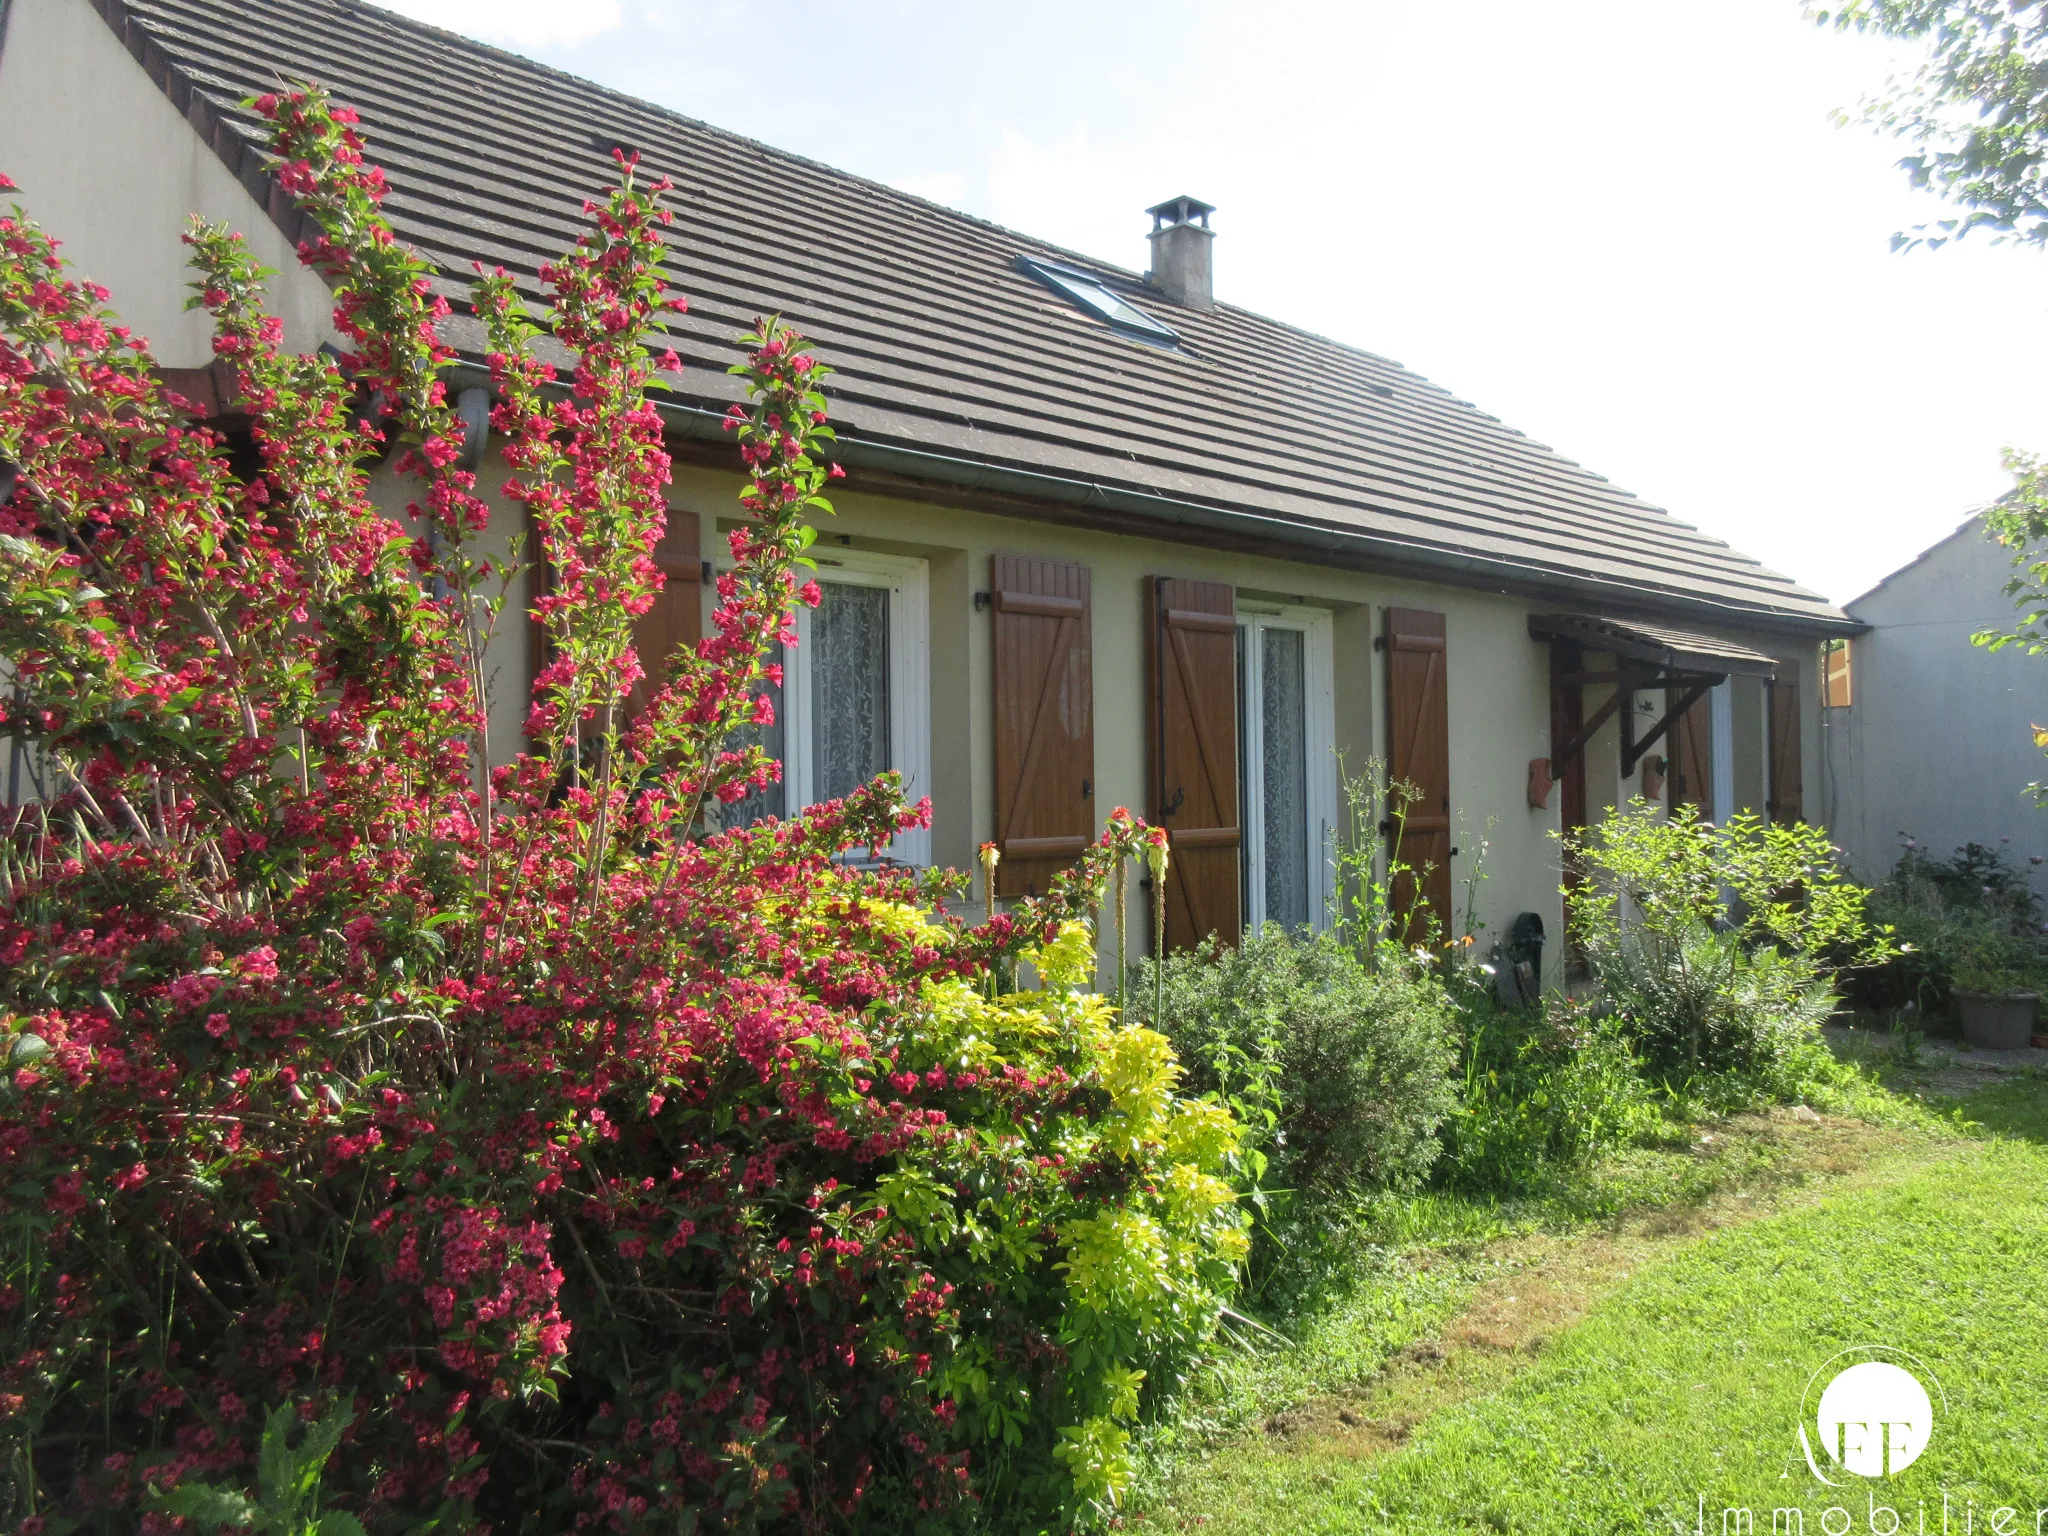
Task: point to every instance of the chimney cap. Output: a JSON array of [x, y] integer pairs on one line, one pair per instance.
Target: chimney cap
[[1180, 210]]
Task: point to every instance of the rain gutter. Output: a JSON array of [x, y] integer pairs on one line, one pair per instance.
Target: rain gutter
[[1358, 549]]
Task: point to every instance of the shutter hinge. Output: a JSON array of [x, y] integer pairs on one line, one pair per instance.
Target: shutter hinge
[[1379, 642], [982, 600]]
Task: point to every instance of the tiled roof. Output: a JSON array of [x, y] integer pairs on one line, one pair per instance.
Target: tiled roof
[[945, 351]]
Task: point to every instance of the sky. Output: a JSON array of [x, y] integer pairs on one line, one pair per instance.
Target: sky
[[1629, 228]]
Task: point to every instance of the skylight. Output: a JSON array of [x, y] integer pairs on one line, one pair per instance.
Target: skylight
[[1092, 295]]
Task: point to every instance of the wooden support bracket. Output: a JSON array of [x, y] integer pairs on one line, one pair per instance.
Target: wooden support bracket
[[1632, 750], [1624, 691]]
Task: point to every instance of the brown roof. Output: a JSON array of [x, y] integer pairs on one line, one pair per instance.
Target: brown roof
[[953, 365]]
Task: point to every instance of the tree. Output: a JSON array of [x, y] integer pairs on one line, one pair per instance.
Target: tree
[[1976, 113], [1975, 110], [574, 1164]]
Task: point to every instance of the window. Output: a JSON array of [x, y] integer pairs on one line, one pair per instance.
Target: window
[[1288, 770], [854, 695], [1835, 675], [1095, 296]]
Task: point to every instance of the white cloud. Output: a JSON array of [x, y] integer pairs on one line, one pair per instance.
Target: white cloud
[[523, 23]]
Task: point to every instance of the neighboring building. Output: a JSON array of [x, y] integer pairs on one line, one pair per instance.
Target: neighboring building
[[1925, 735], [1104, 540]]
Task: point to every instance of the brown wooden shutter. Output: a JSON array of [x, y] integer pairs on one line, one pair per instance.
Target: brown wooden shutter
[[1419, 754], [539, 580], [1191, 678], [1692, 758], [1837, 674], [1045, 720], [677, 617], [1788, 776]]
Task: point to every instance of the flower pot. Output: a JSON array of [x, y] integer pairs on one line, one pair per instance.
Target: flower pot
[[2041, 1042], [1997, 1022]]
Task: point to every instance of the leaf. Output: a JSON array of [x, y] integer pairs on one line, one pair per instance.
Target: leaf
[[276, 1467], [209, 1505], [339, 1523]]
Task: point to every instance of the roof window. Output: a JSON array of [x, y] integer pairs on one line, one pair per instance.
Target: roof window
[[1096, 297]]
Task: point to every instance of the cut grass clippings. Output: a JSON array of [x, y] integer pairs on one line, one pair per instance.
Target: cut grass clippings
[[1627, 1375]]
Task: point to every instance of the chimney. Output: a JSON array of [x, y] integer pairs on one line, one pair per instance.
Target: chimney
[[1182, 252]]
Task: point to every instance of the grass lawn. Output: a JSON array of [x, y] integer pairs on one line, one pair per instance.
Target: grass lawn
[[1624, 1375]]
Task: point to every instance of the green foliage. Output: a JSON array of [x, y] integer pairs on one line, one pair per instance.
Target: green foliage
[[1360, 1059], [1111, 1227], [1540, 1091], [1377, 914], [2018, 520], [1969, 923], [287, 1501], [1972, 109], [1716, 946]]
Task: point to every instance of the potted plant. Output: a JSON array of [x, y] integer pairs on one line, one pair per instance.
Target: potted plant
[[1996, 991]]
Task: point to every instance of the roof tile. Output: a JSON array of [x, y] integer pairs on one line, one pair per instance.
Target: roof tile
[[941, 345]]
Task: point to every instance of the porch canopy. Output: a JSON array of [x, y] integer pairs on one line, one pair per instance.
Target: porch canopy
[[1684, 664]]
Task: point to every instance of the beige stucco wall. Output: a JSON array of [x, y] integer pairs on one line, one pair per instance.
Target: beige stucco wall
[[1498, 678], [107, 165]]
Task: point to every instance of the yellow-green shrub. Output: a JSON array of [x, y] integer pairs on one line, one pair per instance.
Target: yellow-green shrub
[[1086, 1202]]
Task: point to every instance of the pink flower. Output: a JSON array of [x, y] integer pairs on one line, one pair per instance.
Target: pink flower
[[260, 964], [192, 991], [441, 1300]]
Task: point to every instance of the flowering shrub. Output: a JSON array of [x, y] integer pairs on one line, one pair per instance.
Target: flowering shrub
[[595, 1170]]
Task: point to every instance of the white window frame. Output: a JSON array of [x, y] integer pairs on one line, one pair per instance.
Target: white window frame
[[908, 581], [1320, 731]]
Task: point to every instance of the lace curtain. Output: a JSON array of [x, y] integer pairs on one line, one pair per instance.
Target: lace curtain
[[1283, 774], [849, 689], [768, 801], [846, 651]]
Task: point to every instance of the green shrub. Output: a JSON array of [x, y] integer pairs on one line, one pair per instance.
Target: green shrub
[[1970, 923], [1716, 947], [1361, 1060], [1540, 1090]]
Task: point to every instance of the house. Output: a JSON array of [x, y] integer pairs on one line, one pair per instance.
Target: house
[[1104, 539], [1925, 735]]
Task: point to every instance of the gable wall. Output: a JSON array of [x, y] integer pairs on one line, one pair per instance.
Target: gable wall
[[1938, 743], [107, 165]]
